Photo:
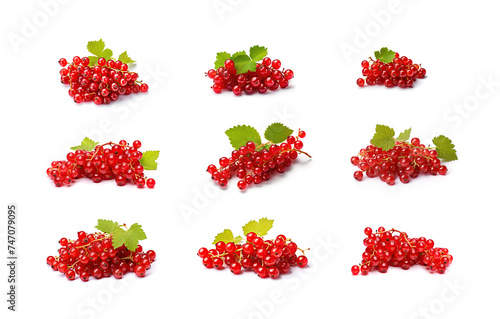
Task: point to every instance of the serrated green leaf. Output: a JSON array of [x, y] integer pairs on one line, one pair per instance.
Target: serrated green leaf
[[125, 58], [261, 228], [445, 148], [148, 160], [257, 53], [130, 237], [86, 145], [107, 54], [92, 60], [277, 133], [96, 47], [220, 59], [227, 236], [383, 137], [106, 226], [237, 54], [243, 64], [241, 134], [404, 136], [385, 55]]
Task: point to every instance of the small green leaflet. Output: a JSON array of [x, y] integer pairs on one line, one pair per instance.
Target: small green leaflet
[[445, 148], [106, 226], [125, 58], [86, 145], [243, 64], [241, 134], [277, 133], [404, 136], [130, 237], [261, 228], [257, 53], [227, 236], [220, 59], [148, 160], [383, 137], [385, 55], [98, 50]]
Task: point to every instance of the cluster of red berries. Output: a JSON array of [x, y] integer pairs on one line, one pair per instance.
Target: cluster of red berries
[[253, 166], [94, 255], [384, 248], [266, 258], [405, 160], [107, 161], [400, 72], [266, 77], [102, 83]]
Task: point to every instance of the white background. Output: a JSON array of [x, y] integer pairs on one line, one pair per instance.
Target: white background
[[317, 202]]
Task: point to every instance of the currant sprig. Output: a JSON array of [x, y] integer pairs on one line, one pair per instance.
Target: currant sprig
[[253, 161], [119, 161], [112, 251], [239, 72], [267, 258], [389, 157], [390, 70], [395, 248]]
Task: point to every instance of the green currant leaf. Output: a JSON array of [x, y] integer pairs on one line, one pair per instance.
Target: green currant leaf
[[106, 226], [404, 136], [220, 59], [148, 160], [86, 145], [92, 60], [261, 228], [383, 137], [107, 54], [227, 236], [241, 134], [130, 237], [445, 148], [257, 53], [125, 58], [96, 47], [277, 133], [243, 64], [385, 55]]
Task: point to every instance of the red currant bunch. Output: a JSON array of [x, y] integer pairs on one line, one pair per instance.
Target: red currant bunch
[[390, 70], [254, 164], [400, 158], [392, 247], [102, 83], [268, 75], [110, 161], [93, 255], [267, 258]]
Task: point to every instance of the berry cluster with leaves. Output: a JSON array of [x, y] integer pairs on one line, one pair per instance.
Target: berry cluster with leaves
[[390, 70], [392, 247], [100, 78], [113, 251], [118, 161], [267, 258], [240, 72], [388, 158], [253, 161]]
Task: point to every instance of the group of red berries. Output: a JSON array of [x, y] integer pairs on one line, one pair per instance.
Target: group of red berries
[[107, 161], [404, 160], [101, 83], [255, 166], [384, 249], [400, 72], [266, 258], [266, 77], [94, 255]]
